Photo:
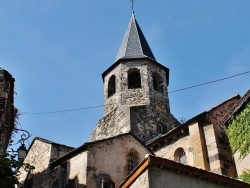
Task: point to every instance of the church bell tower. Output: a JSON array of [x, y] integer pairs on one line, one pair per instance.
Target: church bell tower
[[135, 92]]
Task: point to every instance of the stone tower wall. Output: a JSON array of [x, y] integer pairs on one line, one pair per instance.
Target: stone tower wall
[[115, 123], [144, 111], [148, 122], [140, 96]]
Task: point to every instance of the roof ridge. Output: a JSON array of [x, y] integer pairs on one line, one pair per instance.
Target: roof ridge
[[133, 16]]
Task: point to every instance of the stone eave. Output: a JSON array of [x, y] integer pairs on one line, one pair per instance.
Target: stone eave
[[135, 59], [180, 130], [85, 146], [237, 107], [48, 142], [220, 104], [180, 169], [69, 155]]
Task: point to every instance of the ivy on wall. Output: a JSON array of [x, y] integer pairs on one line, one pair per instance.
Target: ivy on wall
[[245, 176], [238, 132]]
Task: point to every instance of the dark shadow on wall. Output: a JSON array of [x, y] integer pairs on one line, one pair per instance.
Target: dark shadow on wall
[[54, 178]]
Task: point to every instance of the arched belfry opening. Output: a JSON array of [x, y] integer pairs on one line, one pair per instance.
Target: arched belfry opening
[[134, 79], [158, 84], [111, 86]]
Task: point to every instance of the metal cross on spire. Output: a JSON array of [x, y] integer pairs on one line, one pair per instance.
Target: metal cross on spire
[[133, 3]]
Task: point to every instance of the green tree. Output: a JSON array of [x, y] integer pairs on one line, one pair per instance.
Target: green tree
[[238, 132]]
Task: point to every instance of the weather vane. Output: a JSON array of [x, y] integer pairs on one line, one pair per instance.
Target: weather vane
[[133, 3]]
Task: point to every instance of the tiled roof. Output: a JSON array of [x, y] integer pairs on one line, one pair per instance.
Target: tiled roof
[[167, 164], [237, 107], [84, 147], [134, 44]]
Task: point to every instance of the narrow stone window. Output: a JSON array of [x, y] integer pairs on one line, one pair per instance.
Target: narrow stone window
[[180, 156], [132, 162], [134, 79], [159, 128], [105, 181], [158, 84], [111, 86], [107, 184]]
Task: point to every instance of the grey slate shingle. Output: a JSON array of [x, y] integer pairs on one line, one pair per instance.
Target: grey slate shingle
[[134, 44]]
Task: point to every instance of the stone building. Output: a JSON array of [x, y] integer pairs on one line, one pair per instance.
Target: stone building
[[138, 122], [7, 110], [200, 141], [157, 172], [135, 92]]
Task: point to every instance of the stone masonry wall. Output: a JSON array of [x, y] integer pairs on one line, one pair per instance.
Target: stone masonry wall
[[109, 159], [198, 145], [141, 110], [76, 168], [142, 181], [241, 164], [208, 146], [224, 155], [145, 122], [168, 150], [7, 110], [115, 123], [133, 97], [162, 177], [192, 142], [142, 121], [39, 156]]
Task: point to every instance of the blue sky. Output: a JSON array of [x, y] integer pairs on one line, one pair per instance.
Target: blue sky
[[57, 51]]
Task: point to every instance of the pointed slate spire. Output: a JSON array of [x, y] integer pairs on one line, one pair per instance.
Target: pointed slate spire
[[134, 44]]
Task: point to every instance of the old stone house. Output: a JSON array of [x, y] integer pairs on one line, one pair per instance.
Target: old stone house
[[157, 172], [137, 121], [60, 166], [200, 142], [7, 109]]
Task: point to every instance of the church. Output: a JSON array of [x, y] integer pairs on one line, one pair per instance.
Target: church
[[138, 142]]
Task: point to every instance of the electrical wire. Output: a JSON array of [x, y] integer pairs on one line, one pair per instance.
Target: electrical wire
[[98, 106], [206, 83], [60, 111]]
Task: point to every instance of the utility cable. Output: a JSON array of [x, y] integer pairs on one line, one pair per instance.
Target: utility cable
[[174, 91], [60, 111], [206, 83]]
